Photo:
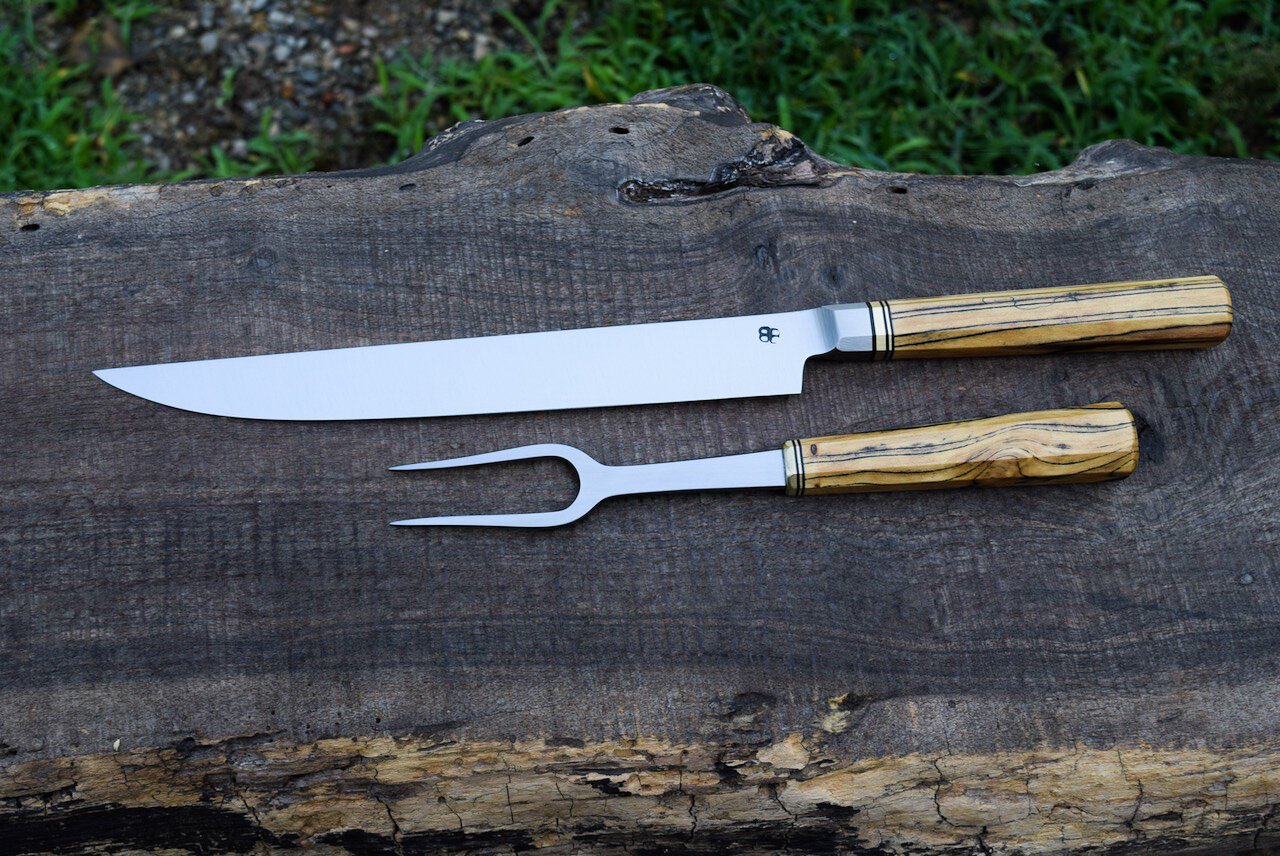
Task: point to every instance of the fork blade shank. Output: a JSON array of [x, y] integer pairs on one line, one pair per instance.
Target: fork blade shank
[[594, 367], [504, 520]]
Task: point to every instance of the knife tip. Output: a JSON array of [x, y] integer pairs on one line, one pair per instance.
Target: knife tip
[[110, 377]]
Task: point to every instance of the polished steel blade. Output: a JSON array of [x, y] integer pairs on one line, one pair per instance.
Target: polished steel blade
[[600, 366]]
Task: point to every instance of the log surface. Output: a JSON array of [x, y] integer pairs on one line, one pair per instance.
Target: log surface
[[210, 639]]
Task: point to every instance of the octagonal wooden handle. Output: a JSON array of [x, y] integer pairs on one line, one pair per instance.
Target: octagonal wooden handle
[[1098, 442], [1186, 312]]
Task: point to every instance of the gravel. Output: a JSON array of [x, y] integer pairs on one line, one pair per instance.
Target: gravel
[[202, 74]]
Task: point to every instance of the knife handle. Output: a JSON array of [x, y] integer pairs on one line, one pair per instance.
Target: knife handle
[[1098, 442], [1186, 312]]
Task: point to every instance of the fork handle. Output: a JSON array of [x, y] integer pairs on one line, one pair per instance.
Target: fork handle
[[1098, 442], [1185, 312]]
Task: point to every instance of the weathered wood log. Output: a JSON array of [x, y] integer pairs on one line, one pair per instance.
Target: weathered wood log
[[213, 642]]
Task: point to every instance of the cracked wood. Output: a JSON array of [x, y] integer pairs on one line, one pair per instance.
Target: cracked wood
[[391, 795]]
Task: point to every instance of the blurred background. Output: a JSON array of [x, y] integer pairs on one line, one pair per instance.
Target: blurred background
[[114, 91]]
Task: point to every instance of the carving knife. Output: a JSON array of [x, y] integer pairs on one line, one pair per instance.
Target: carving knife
[[715, 358]]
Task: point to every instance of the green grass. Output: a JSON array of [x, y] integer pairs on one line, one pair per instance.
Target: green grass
[[965, 87], [59, 127], [1004, 87], [271, 152]]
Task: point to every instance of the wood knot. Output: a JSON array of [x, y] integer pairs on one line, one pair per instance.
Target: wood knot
[[779, 159]]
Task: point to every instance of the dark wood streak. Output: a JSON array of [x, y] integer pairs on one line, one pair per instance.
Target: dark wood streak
[[1067, 296], [925, 447], [942, 334]]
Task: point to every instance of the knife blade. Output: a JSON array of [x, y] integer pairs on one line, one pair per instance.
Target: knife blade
[[744, 356]]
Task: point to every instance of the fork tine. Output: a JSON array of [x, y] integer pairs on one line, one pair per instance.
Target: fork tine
[[533, 519], [517, 453]]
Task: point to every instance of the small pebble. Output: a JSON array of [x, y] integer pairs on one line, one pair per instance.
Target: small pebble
[[260, 45], [209, 42], [281, 52], [1246, 579]]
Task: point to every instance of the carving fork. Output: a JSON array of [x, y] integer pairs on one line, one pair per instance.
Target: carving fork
[[1098, 442]]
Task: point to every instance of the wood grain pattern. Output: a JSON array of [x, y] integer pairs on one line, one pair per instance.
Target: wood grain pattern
[[224, 598], [1069, 445], [1182, 312]]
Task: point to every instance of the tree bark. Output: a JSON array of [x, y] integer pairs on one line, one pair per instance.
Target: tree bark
[[212, 641]]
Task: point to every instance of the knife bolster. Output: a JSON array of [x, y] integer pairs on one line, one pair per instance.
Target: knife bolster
[[1070, 445], [859, 330]]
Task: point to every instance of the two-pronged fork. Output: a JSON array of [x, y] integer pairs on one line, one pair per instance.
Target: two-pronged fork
[[1098, 442]]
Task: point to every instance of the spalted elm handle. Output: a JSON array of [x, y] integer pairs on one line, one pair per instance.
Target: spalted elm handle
[[1098, 442], [1187, 312]]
